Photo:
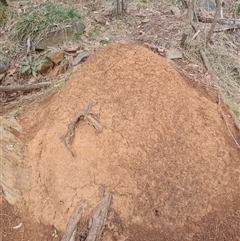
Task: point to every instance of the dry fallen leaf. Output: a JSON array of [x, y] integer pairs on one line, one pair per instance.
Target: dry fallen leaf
[[146, 20], [11, 72], [71, 48]]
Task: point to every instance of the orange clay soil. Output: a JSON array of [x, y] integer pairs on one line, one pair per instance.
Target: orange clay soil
[[164, 153]]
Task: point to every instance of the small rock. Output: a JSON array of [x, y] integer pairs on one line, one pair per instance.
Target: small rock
[[4, 64], [82, 55], [56, 57], [100, 19], [60, 36], [56, 71], [176, 11], [173, 54], [209, 6], [45, 67], [2, 76]]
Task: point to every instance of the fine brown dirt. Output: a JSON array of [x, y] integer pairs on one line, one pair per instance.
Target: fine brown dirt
[[165, 153], [30, 230]]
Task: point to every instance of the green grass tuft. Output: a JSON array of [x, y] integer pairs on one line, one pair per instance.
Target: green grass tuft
[[38, 21]]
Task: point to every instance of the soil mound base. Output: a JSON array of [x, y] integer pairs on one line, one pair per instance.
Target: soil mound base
[[164, 152]]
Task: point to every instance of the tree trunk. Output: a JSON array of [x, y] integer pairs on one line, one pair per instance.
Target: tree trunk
[[121, 5], [189, 20]]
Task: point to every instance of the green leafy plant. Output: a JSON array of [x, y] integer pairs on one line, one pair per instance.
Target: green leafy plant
[[55, 233], [93, 33], [238, 9], [31, 66], [3, 15]]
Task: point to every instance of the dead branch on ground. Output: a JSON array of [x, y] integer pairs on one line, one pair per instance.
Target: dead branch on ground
[[97, 222], [227, 21], [10, 88], [208, 66], [70, 229], [229, 131], [83, 114]]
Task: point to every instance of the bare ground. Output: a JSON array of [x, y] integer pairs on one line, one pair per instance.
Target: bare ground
[[165, 154]]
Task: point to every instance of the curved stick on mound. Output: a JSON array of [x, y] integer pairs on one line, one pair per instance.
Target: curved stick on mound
[[83, 114]]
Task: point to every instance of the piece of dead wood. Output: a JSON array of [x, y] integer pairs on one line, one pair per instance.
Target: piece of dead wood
[[225, 21], [97, 222], [10, 88], [208, 66], [229, 130], [83, 114], [71, 226]]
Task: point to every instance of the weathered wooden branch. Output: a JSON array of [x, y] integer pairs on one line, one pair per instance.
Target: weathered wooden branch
[[97, 222], [83, 114], [10, 88], [208, 66], [228, 21], [71, 226], [217, 13], [229, 130]]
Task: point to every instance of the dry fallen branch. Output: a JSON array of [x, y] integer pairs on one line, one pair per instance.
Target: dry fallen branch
[[208, 66], [10, 88], [70, 229], [83, 114], [97, 222], [227, 21], [231, 134], [195, 35]]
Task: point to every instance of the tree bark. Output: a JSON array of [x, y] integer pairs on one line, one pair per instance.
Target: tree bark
[[188, 23], [121, 6], [216, 17]]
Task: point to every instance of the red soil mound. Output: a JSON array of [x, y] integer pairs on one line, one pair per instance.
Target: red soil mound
[[164, 152]]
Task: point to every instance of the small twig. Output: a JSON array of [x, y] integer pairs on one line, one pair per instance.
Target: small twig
[[195, 35], [83, 114], [24, 87], [208, 66], [223, 116]]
